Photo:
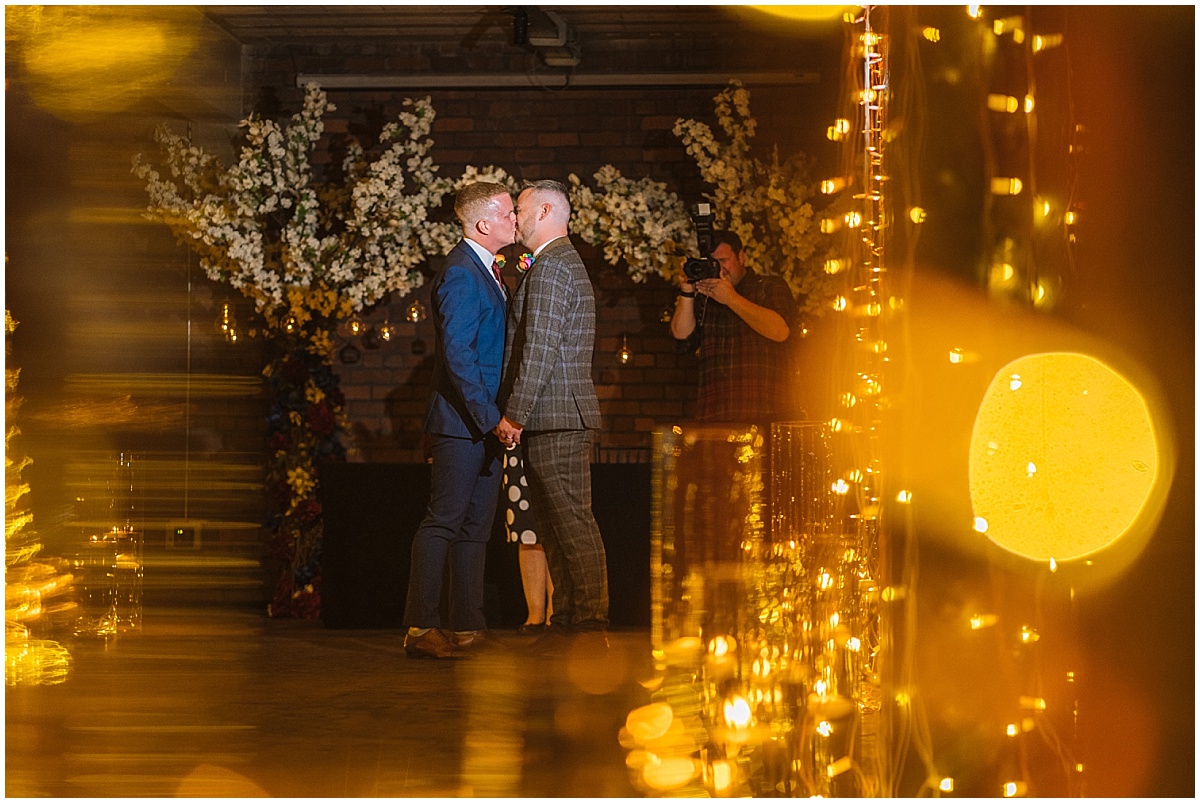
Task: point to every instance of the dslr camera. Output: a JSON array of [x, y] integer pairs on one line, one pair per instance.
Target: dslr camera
[[704, 266]]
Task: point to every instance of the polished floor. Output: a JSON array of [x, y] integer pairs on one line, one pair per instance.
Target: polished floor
[[230, 703]]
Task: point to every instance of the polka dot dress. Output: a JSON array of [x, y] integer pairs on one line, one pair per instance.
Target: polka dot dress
[[518, 518]]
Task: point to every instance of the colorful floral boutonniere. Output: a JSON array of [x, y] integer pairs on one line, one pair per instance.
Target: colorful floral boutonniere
[[524, 262]]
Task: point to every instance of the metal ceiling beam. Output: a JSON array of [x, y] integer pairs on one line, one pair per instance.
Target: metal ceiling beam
[[539, 81]]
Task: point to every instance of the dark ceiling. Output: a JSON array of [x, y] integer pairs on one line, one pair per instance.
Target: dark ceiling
[[278, 24]]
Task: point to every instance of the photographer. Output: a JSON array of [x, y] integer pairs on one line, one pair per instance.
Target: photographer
[[742, 322]]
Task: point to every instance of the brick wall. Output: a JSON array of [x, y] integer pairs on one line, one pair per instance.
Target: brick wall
[[539, 133]]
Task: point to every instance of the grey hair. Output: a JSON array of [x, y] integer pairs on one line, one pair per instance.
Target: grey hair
[[556, 188]]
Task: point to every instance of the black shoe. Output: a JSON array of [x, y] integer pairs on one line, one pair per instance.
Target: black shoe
[[552, 642], [532, 629]]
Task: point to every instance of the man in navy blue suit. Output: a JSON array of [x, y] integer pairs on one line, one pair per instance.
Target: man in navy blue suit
[[469, 301]]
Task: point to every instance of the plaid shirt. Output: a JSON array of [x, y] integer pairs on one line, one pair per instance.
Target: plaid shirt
[[745, 377]]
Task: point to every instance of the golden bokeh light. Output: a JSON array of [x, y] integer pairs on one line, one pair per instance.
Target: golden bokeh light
[[80, 62], [805, 13], [1090, 435]]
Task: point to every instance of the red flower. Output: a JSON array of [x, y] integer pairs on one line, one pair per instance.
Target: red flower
[[321, 420], [307, 511], [279, 442]]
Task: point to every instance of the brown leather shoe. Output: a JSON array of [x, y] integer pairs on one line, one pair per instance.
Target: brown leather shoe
[[474, 640], [433, 643]]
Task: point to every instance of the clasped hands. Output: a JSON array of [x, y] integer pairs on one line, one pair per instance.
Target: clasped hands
[[508, 432]]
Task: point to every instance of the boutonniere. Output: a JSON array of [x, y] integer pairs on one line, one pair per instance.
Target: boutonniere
[[500, 260], [524, 262]]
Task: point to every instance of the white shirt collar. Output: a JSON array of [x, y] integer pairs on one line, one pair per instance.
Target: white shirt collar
[[485, 256], [542, 247]]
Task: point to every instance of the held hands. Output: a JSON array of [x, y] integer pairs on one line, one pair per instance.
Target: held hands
[[508, 432]]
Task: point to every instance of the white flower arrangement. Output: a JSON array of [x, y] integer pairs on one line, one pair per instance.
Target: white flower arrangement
[[638, 221], [766, 204], [264, 228]]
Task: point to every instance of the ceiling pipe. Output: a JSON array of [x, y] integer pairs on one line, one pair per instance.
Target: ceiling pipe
[[541, 81]]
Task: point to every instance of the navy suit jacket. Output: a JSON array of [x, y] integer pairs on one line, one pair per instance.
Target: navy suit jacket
[[469, 320]]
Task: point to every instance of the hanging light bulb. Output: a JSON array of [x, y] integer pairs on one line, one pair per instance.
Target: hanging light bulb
[[227, 326], [415, 311], [624, 355], [355, 325], [290, 324], [386, 332]]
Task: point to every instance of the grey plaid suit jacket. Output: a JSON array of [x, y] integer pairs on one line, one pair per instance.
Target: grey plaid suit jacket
[[549, 343]]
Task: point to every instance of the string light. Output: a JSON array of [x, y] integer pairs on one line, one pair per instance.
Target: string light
[[624, 355], [415, 312], [832, 185], [227, 325]]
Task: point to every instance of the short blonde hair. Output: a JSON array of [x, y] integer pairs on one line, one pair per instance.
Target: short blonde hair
[[473, 201]]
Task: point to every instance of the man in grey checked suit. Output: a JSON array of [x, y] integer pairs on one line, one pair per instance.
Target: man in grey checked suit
[[550, 405]]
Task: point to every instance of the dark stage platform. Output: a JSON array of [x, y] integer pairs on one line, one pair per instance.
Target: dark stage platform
[[372, 511]]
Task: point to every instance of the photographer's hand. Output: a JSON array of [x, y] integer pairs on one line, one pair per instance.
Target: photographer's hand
[[767, 322], [720, 290]]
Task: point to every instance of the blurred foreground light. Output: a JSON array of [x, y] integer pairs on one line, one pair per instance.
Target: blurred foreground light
[[1090, 435], [1046, 42], [1006, 185], [839, 130], [998, 102], [737, 712], [669, 773], [804, 13], [649, 721], [722, 776], [83, 62], [946, 785]]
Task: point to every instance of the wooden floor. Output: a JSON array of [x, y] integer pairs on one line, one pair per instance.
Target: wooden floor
[[230, 703]]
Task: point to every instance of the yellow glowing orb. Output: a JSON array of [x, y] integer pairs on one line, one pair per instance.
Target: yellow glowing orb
[[1088, 432]]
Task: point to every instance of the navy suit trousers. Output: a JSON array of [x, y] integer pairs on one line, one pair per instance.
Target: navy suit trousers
[[465, 487]]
